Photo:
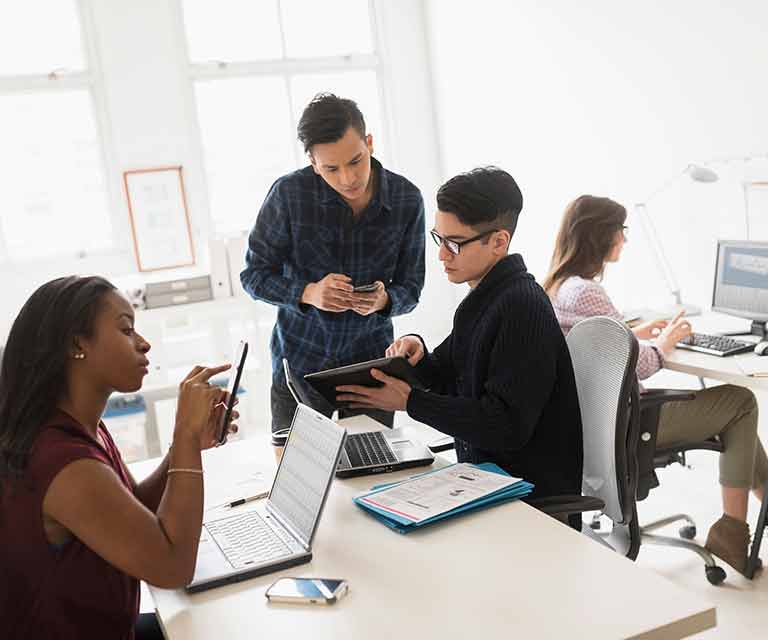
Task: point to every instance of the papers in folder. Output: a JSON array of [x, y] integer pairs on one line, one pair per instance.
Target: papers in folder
[[436, 495]]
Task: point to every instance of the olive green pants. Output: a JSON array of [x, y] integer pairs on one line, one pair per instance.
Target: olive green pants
[[727, 411]]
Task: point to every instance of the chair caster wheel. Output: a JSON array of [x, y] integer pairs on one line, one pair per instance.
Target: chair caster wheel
[[688, 532], [715, 575]]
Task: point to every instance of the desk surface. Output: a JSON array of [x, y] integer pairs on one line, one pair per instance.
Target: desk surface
[[508, 570], [733, 369]]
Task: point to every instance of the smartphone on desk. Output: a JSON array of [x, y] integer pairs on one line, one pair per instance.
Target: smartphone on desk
[[233, 387], [445, 443], [307, 590]]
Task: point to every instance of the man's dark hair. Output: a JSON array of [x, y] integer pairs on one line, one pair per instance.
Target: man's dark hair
[[327, 118], [486, 197]]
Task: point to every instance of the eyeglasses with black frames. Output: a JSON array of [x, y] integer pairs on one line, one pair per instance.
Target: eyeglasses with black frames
[[454, 246]]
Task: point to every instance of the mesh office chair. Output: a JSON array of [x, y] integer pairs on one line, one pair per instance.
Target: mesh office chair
[[620, 428], [604, 354]]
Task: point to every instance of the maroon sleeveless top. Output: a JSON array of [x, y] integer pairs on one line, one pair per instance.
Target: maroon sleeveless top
[[68, 591]]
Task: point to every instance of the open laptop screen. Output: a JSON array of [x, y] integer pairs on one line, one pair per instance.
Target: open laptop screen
[[306, 470], [302, 394]]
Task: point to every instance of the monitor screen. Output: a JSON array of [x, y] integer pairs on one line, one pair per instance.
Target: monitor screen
[[741, 279]]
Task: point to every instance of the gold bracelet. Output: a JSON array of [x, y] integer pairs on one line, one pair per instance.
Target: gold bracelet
[[180, 470]]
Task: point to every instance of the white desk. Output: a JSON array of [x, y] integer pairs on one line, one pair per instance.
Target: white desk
[[732, 369], [508, 571]]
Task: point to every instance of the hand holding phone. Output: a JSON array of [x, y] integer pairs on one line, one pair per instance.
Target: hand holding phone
[[232, 388], [366, 288], [307, 590]]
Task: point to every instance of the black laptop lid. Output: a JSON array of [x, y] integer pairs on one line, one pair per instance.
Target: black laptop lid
[[302, 394]]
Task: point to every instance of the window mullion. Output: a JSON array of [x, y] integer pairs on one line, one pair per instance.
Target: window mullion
[[284, 67], [60, 81], [103, 126]]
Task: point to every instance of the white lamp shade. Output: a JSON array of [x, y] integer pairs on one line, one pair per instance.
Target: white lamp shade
[[701, 174]]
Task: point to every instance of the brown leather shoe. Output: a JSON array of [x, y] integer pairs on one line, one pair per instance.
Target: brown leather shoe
[[728, 539]]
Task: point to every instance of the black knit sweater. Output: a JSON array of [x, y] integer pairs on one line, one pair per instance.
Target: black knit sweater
[[502, 383]]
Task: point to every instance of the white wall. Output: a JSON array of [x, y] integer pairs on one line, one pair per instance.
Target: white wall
[[608, 98]]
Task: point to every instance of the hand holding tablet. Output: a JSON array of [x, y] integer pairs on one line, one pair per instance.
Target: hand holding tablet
[[325, 382]]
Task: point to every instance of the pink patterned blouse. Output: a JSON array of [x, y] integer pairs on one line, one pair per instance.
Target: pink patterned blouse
[[579, 299]]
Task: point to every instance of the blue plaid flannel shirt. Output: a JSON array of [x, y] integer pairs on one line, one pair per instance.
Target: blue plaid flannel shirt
[[305, 231]]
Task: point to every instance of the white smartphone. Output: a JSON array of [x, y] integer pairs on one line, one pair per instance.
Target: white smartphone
[[307, 590]]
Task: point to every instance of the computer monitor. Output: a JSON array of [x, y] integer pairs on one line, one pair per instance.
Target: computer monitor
[[741, 282]]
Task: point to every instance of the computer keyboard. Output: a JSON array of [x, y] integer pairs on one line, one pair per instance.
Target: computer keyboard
[[247, 540], [368, 449], [715, 345]]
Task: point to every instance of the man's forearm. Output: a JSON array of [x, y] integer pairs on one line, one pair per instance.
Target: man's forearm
[[272, 288], [308, 293], [402, 299]]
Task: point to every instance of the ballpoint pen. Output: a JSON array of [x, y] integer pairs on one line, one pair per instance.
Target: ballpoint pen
[[237, 503]]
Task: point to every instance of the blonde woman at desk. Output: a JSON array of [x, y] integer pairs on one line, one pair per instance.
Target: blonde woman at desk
[[591, 235], [82, 531]]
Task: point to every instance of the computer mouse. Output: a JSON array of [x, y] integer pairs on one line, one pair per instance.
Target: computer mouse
[[761, 348]]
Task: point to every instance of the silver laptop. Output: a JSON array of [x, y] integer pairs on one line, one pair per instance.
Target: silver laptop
[[364, 453], [279, 533]]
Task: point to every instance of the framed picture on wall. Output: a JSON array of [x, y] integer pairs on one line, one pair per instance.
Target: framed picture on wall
[[157, 207]]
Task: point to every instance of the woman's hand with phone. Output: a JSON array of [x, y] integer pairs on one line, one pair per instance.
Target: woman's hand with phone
[[195, 405], [219, 431]]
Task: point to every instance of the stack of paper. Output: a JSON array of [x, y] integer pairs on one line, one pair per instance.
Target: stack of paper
[[436, 495]]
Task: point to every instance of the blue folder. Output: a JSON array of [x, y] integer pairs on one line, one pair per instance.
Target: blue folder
[[402, 524]]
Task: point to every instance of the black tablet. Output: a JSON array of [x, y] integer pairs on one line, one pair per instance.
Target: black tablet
[[360, 373]]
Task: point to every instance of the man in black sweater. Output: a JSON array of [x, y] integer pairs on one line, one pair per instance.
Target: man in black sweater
[[502, 383]]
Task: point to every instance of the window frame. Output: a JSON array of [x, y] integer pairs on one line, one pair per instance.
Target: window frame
[[90, 81], [285, 68]]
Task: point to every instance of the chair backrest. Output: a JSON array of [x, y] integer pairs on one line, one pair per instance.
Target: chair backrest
[[604, 354]]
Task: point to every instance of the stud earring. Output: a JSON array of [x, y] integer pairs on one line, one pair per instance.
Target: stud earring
[[79, 356]]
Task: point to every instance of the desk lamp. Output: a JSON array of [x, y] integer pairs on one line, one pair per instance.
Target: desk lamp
[[696, 173]]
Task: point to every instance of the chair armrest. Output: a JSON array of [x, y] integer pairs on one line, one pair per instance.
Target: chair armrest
[[651, 402], [657, 397], [566, 505]]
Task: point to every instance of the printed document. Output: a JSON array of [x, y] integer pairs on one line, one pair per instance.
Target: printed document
[[434, 493]]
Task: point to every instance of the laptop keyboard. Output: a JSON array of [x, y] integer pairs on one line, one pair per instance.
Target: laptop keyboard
[[247, 540], [368, 449], [715, 345]]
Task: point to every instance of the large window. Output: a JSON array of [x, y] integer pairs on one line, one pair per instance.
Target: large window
[[51, 160], [255, 66]]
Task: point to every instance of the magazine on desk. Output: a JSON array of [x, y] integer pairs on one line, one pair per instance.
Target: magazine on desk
[[437, 495]]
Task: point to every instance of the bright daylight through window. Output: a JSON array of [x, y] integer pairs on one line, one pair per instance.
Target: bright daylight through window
[[50, 157], [256, 67]]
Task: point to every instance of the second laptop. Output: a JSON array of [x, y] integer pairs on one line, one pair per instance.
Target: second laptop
[[364, 453]]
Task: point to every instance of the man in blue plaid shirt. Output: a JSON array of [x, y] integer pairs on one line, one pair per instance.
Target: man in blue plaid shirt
[[342, 222]]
